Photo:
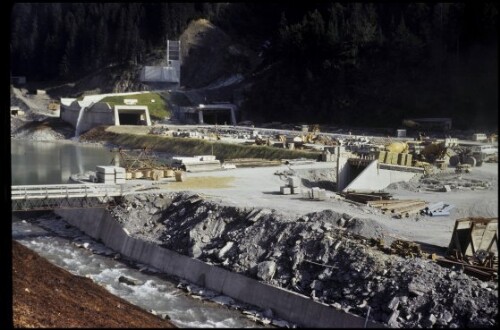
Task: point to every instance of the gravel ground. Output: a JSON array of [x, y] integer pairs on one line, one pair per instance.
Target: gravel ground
[[259, 187], [319, 254]]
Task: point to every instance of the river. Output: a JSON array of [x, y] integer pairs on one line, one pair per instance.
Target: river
[[53, 162]]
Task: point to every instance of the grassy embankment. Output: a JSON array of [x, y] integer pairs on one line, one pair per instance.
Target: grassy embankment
[[192, 147], [157, 107]]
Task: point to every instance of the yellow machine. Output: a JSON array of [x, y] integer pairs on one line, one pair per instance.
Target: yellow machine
[[426, 166], [309, 138], [397, 147]]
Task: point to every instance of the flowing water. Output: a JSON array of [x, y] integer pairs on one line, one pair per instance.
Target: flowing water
[[80, 116], [58, 242], [53, 162]]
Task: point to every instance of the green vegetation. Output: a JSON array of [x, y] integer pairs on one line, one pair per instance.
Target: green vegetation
[[155, 103], [192, 147]]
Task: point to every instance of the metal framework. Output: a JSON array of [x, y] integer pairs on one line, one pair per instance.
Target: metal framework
[[146, 159], [58, 203], [47, 197]]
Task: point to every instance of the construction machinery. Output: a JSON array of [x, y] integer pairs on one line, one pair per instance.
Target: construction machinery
[[471, 156], [462, 168], [474, 247], [425, 165], [435, 151], [260, 141], [397, 147]]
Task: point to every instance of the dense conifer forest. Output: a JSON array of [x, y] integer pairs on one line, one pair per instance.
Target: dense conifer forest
[[343, 63]]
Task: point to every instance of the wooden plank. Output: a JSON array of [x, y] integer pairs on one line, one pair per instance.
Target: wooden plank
[[410, 209], [391, 203], [394, 208], [419, 205]]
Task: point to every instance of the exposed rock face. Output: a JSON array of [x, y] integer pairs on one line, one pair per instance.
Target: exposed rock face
[[320, 254]]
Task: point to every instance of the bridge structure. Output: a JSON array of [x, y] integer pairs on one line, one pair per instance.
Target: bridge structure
[[51, 196]]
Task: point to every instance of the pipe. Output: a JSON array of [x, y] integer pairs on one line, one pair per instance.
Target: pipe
[[434, 207]]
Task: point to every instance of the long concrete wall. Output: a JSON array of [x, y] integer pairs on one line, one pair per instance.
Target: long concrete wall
[[375, 178], [100, 114], [288, 305]]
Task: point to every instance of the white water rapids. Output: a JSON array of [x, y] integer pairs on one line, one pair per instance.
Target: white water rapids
[[69, 248]]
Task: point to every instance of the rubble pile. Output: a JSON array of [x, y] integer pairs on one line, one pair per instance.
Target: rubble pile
[[325, 255], [455, 182]]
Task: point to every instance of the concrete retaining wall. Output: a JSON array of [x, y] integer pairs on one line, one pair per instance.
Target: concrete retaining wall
[[288, 305], [100, 114], [374, 178]]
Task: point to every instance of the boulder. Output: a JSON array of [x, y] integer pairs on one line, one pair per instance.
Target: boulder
[[129, 280], [266, 270], [225, 249]]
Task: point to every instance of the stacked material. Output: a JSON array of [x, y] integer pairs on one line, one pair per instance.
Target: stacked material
[[314, 193], [406, 249], [437, 209], [197, 163], [386, 157], [110, 174], [366, 196], [399, 207], [292, 187]]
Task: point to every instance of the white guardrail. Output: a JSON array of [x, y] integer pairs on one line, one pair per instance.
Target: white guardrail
[[65, 191]]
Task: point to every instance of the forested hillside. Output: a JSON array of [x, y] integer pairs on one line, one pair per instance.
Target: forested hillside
[[340, 63]]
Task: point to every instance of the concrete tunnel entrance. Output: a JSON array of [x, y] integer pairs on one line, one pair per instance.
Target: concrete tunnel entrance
[[130, 119], [217, 117], [132, 115]]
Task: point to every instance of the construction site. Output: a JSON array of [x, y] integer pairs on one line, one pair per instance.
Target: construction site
[[294, 225], [397, 232], [357, 227]]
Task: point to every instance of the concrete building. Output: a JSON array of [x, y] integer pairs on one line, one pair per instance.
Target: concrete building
[[368, 174], [171, 73], [91, 112]]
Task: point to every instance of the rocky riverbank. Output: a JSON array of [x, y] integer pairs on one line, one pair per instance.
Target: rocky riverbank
[[326, 255]]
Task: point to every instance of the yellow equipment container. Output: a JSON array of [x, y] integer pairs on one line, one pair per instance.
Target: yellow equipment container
[[409, 159], [401, 159], [180, 176]]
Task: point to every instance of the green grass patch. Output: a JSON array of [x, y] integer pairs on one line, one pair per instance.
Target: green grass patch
[[157, 107], [191, 147]]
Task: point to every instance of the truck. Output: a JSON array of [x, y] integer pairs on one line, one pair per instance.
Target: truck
[[474, 156]]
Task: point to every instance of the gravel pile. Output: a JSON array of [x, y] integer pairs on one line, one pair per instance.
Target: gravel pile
[[320, 254]]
